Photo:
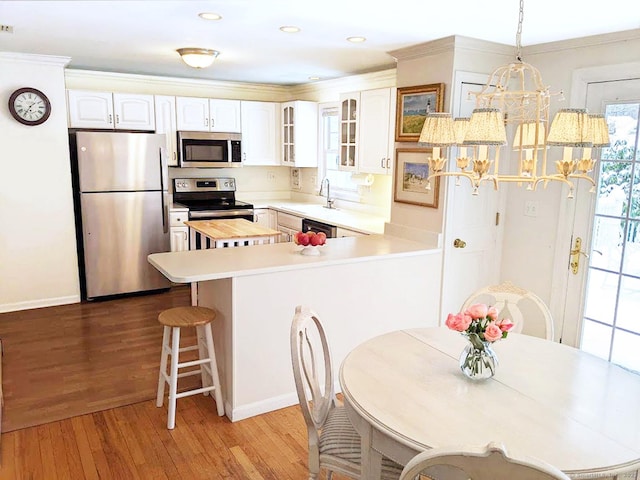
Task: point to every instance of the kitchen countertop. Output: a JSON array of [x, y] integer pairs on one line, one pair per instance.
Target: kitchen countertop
[[212, 264], [350, 219]]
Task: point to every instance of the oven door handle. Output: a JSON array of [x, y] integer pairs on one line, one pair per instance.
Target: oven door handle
[[219, 213]]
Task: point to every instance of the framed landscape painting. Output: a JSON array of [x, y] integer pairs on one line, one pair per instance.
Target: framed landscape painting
[[412, 171], [412, 107]]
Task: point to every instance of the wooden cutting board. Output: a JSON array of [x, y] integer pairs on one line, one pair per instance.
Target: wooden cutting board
[[230, 229]]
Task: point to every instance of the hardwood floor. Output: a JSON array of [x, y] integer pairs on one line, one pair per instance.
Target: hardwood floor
[[79, 385]]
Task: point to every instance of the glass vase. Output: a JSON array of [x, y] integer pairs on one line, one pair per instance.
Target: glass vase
[[478, 361]]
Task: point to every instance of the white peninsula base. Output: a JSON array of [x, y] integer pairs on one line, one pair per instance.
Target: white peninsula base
[[360, 287]]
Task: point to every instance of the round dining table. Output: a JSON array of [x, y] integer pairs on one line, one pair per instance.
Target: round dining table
[[404, 393]]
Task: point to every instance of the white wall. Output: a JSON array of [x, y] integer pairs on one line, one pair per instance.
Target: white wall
[[38, 260]]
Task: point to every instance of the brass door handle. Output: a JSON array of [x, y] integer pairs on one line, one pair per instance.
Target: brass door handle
[[574, 256], [457, 243]]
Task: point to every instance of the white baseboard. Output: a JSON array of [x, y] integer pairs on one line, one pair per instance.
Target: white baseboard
[[263, 406], [40, 303]]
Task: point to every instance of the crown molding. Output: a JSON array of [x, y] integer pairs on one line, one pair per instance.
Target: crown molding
[[35, 59], [582, 42], [363, 81], [448, 44], [222, 87]]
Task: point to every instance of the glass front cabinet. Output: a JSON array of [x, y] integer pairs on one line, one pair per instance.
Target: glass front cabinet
[[349, 105]]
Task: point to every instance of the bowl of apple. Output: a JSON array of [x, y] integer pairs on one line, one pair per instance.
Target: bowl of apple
[[310, 242]]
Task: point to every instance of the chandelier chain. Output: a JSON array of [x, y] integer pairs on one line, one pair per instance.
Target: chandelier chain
[[519, 33]]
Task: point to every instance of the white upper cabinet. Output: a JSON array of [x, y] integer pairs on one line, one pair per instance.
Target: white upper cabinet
[[349, 131], [300, 134], [225, 115], [165, 107], [208, 114], [106, 110], [376, 129], [260, 138]]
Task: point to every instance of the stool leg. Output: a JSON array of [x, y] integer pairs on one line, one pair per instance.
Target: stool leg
[[163, 366], [214, 370], [202, 352], [173, 378]]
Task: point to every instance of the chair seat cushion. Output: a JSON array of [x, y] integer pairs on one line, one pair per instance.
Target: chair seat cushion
[[339, 439]]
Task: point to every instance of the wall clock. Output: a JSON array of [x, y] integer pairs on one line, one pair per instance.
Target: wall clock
[[29, 106]]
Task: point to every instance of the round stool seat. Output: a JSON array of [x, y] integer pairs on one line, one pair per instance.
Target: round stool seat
[[186, 316]]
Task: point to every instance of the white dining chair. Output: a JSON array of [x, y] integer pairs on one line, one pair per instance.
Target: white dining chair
[[529, 314], [333, 442], [486, 463]]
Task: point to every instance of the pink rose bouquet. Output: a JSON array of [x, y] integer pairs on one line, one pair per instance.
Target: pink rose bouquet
[[480, 324]]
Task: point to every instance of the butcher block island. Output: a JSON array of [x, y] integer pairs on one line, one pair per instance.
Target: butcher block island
[[232, 232], [360, 287]]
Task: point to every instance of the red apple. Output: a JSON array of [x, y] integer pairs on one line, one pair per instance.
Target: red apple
[[322, 238], [315, 241], [303, 239]]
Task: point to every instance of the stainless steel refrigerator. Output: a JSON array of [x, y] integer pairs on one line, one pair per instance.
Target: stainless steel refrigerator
[[122, 186]]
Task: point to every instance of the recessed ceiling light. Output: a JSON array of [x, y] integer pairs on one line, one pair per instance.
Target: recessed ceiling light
[[210, 16], [314, 78], [290, 29], [356, 39]]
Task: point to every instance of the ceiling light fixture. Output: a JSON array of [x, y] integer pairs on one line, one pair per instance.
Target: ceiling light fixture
[[289, 29], [314, 78], [210, 16], [515, 99], [356, 39], [198, 57]]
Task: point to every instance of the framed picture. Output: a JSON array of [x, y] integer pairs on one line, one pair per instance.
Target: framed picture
[[412, 107], [412, 171]]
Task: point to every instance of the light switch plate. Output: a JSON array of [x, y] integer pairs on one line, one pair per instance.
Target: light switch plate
[[531, 208]]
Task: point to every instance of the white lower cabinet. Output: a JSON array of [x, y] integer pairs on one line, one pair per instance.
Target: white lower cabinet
[[288, 225], [178, 231], [265, 217]]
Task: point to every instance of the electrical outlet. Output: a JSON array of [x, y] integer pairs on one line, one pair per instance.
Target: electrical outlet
[[314, 179], [531, 208], [271, 176]]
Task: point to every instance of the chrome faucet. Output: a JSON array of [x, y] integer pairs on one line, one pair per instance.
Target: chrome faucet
[[329, 199]]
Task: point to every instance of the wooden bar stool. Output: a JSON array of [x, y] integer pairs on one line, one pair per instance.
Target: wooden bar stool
[[173, 319]]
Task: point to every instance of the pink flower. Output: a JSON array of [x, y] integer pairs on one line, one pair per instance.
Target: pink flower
[[492, 313], [479, 310], [493, 332], [459, 322], [505, 324]]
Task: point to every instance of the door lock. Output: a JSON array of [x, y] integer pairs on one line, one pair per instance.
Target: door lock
[[574, 255], [457, 243]]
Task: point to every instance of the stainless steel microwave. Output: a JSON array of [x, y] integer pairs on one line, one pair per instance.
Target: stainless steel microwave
[[209, 149]]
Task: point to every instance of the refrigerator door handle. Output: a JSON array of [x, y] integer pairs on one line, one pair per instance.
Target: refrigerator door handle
[[165, 219]]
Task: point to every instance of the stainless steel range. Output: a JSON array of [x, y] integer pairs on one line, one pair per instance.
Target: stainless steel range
[[210, 198]]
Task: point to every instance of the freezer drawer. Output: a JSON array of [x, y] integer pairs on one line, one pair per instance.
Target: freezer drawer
[[119, 230]]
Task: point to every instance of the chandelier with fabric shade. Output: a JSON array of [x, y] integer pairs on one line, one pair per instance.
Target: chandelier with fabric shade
[[513, 109]]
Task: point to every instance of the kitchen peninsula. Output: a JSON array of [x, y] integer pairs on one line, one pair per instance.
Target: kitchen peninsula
[[360, 287]]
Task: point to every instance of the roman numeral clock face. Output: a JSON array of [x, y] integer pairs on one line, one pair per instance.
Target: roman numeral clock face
[[29, 106]]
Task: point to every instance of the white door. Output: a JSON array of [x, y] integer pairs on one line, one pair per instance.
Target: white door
[[470, 219], [604, 293]]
